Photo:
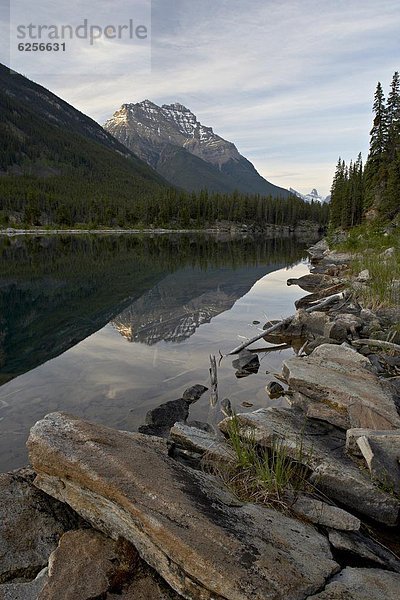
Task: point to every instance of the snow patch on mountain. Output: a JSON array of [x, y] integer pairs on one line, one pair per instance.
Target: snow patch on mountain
[[313, 196]]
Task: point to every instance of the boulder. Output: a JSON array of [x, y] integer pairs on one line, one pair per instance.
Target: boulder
[[303, 326], [321, 513], [354, 547], [127, 486], [382, 454], [320, 411], [193, 393], [201, 425], [146, 587], [388, 253], [318, 340], [342, 379], [380, 450], [275, 390], [318, 250], [24, 591], [320, 447], [31, 524], [313, 282], [344, 327], [361, 584], [202, 442], [159, 420], [364, 275], [246, 363], [87, 565]]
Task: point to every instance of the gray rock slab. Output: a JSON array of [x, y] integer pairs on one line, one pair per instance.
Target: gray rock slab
[[361, 584], [314, 409], [322, 450], [382, 455], [202, 442], [353, 434], [203, 548], [342, 379], [24, 591], [364, 549], [321, 513], [31, 523]]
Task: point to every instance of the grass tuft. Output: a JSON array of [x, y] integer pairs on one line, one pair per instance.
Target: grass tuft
[[272, 476], [368, 242]]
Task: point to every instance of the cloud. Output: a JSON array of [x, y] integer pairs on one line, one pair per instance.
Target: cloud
[[290, 83]]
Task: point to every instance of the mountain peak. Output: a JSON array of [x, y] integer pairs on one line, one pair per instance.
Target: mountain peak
[[187, 153], [177, 106], [313, 196], [146, 102]]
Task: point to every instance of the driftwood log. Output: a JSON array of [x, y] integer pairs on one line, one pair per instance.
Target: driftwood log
[[307, 300], [327, 302], [213, 381]]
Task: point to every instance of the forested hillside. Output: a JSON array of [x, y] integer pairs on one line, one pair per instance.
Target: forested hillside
[[56, 164], [373, 191], [59, 167]]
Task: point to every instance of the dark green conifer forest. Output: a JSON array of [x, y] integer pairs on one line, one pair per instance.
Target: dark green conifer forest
[[374, 190], [60, 168]]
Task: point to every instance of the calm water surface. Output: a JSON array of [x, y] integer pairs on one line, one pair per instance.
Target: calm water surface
[[108, 327]]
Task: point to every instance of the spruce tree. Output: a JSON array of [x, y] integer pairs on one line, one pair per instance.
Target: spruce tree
[[393, 116], [376, 167], [378, 132]]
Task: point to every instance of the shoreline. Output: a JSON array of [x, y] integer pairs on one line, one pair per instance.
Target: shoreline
[[232, 229], [12, 232], [338, 533]]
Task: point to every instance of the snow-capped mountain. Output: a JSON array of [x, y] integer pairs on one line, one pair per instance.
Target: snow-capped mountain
[[313, 196], [180, 303], [190, 155]]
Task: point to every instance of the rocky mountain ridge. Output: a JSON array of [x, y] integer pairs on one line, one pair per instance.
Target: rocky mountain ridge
[[187, 153], [313, 196]]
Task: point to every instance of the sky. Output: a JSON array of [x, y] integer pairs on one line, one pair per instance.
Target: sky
[[290, 82]]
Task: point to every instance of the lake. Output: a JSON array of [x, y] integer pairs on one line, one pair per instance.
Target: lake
[[108, 327]]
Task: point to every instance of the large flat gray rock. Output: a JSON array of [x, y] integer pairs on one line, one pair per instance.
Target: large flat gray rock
[[381, 452], [361, 584], [323, 451], [126, 485], [203, 442], [342, 379], [321, 513]]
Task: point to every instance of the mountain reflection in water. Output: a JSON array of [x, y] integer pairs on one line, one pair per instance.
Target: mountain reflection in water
[[65, 301], [55, 291]]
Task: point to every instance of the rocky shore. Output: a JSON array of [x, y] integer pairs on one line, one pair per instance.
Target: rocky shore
[[109, 514], [304, 229]]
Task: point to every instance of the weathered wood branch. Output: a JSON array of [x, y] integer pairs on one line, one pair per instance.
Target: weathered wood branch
[[307, 300], [213, 381], [270, 348], [319, 306]]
